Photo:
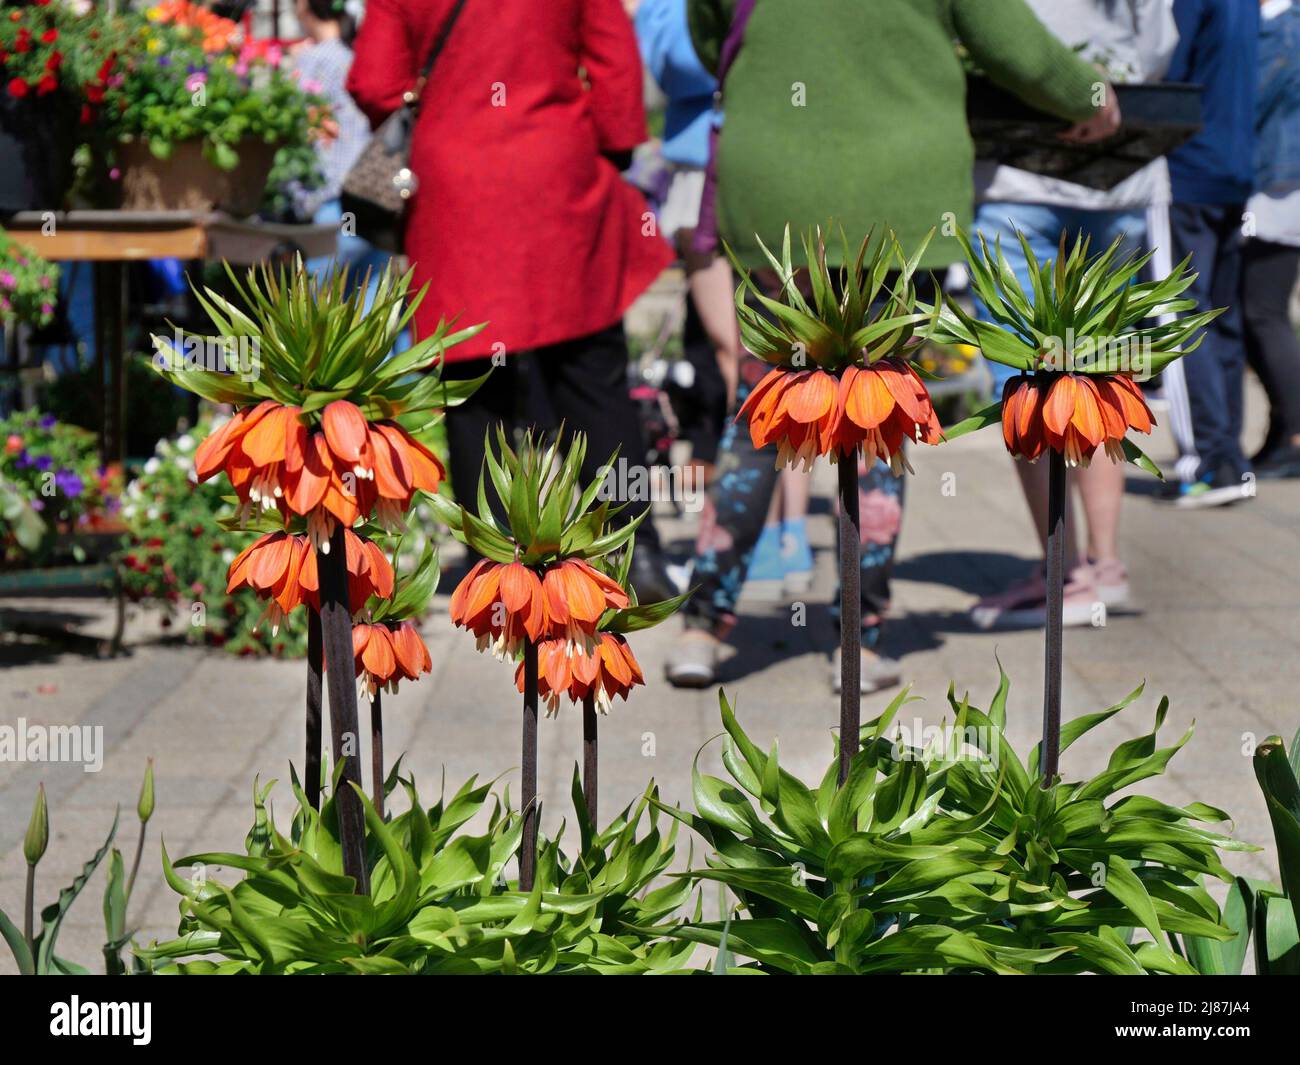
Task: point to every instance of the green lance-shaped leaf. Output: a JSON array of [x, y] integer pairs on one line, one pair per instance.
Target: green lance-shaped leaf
[[990, 415], [52, 916], [1137, 456], [1277, 936], [645, 615], [413, 591], [17, 944], [115, 900], [1277, 780]]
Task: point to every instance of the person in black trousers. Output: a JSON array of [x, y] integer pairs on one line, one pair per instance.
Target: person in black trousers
[[1212, 177], [577, 384], [1273, 351], [1272, 255]]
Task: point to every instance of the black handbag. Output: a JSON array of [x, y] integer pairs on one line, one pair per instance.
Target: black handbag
[[380, 184]]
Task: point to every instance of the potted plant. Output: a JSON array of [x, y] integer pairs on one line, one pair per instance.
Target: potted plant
[[29, 285], [51, 61], [197, 113], [54, 469]]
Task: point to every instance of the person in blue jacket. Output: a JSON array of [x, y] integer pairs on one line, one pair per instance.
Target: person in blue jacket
[[1272, 252], [1212, 177], [711, 333]]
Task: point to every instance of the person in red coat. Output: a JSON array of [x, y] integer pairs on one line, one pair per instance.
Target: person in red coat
[[521, 218]]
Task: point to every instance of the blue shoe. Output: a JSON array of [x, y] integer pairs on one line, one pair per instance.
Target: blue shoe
[[765, 562], [766, 573], [796, 556]]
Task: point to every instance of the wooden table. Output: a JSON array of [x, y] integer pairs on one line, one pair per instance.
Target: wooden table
[[111, 239]]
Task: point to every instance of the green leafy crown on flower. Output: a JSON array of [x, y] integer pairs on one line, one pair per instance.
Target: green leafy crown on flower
[[312, 341], [1085, 314], [547, 517], [412, 592], [851, 316], [636, 616]]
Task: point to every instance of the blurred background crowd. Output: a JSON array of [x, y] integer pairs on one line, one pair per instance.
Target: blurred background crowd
[[579, 165]]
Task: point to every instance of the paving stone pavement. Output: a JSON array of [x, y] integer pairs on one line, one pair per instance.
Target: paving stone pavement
[[1218, 634]]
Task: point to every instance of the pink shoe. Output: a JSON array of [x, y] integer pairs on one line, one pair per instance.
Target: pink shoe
[[1092, 591], [1111, 581], [1030, 592], [1080, 605]]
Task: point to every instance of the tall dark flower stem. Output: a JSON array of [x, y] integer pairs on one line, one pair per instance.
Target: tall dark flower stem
[[1056, 497], [850, 612], [315, 668], [528, 844], [345, 732], [377, 752], [589, 755]]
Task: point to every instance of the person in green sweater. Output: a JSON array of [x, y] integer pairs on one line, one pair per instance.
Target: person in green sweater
[[857, 111], [851, 113]]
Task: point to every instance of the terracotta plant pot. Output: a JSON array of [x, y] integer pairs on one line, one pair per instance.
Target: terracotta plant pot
[[188, 182]]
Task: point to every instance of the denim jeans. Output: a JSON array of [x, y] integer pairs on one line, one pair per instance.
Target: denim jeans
[[356, 254], [1211, 235], [736, 509]]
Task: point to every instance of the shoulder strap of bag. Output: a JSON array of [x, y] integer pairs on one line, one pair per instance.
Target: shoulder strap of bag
[[444, 31], [705, 240], [734, 39]]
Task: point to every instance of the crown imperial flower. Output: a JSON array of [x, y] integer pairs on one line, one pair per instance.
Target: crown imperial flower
[[1073, 414], [386, 654], [504, 603], [282, 569], [810, 413], [606, 670], [318, 430], [857, 330], [1088, 333]]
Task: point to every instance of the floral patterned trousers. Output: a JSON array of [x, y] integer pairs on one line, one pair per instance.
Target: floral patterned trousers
[[736, 510]]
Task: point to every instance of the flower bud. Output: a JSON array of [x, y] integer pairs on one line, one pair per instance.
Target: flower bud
[[144, 808], [38, 830]]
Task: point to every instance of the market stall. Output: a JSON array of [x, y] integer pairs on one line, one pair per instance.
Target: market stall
[[166, 134]]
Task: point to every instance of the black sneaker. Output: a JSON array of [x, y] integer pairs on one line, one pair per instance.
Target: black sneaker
[[1170, 491], [649, 574], [1279, 463]]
